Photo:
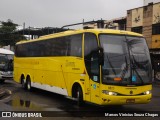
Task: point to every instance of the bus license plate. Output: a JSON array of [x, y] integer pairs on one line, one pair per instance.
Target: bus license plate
[[130, 101]]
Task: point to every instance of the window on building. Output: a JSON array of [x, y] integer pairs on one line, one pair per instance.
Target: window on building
[[156, 29], [137, 29]]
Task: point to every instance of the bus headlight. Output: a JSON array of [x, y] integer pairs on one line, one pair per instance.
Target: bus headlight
[[147, 92], [108, 92]]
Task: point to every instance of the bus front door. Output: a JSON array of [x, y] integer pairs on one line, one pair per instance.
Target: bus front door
[[92, 67], [95, 79]]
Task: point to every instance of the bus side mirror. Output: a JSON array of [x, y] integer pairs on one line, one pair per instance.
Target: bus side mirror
[[101, 56]]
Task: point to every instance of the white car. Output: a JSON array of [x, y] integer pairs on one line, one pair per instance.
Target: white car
[[6, 64]]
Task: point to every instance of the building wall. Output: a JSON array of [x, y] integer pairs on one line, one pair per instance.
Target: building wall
[[145, 18], [90, 25], [149, 1], [129, 20], [147, 24], [155, 41], [134, 18], [156, 13], [155, 21], [117, 24], [137, 17]]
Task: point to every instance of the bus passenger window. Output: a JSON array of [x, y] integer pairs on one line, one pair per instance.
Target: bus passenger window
[[76, 45]]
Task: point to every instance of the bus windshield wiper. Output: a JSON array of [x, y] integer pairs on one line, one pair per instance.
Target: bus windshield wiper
[[134, 68], [124, 69], [111, 65], [132, 61]]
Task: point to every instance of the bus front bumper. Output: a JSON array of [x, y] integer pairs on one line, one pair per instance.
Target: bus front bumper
[[123, 100]]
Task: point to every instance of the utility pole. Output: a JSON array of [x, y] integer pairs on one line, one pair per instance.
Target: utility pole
[[23, 28]]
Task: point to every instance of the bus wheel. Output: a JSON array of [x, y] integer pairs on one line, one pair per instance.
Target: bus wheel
[[23, 83], [79, 97], [28, 84]]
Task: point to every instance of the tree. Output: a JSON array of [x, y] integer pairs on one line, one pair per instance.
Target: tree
[[7, 36]]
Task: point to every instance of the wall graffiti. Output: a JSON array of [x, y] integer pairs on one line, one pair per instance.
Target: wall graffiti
[[137, 19], [156, 13], [157, 18]]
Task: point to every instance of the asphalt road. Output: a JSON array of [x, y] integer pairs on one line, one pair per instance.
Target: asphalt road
[[60, 107]]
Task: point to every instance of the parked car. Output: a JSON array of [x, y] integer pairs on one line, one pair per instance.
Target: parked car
[[6, 64]]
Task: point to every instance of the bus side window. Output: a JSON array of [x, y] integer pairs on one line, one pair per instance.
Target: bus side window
[[76, 45], [91, 56]]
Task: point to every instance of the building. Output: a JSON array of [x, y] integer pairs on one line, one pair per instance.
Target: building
[[146, 20], [118, 24], [149, 1]]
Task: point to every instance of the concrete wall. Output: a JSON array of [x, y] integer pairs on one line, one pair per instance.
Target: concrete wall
[[156, 13], [137, 17], [147, 24], [129, 20], [145, 16], [149, 1], [155, 41]]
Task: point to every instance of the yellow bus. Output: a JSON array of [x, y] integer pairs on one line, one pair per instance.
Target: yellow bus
[[105, 67]]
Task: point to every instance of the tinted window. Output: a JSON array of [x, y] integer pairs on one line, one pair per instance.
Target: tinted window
[[76, 45], [156, 29], [116, 59], [62, 46], [137, 29], [90, 43], [91, 56]]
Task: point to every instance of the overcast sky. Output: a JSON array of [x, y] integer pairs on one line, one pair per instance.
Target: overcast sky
[[56, 13]]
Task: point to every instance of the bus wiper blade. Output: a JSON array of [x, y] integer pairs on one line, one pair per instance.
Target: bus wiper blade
[[139, 76], [124, 69], [111, 65], [134, 68]]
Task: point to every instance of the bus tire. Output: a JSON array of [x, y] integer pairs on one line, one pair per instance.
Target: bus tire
[[28, 84], [79, 95], [23, 84]]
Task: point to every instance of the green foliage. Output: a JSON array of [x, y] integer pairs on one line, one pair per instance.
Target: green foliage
[[7, 35]]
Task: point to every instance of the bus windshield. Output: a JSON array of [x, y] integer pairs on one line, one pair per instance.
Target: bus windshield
[[6, 62], [126, 60]]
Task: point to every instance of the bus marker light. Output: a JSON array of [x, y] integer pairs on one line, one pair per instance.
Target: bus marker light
[[117, 79]]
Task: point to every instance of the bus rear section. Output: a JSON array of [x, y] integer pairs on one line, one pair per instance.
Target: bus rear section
[[6, 64]]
